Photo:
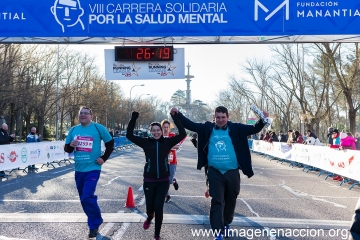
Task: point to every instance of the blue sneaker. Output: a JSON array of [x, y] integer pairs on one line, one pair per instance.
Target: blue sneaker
[[219, 237], [228, 232]]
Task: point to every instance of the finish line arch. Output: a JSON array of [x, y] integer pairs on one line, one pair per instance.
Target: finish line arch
[[118, 22]]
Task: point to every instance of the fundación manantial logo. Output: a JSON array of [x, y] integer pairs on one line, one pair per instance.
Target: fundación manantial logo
[[67, 13], [284, 4]]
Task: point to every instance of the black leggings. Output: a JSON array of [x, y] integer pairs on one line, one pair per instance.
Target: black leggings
[[155, 193]]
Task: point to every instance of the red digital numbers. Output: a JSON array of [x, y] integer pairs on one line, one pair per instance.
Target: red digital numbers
[[139, 54], [166, 53], [147, 53], [143, 53]]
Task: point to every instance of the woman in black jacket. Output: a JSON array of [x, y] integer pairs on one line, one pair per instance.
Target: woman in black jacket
[[156, 169]]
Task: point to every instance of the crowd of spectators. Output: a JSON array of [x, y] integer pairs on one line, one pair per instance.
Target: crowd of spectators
[[335, 139]]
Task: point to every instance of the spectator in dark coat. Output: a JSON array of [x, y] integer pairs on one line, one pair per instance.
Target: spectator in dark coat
[[329, 135], [282, 137], [5, 138], [261, 136], [309, 133]]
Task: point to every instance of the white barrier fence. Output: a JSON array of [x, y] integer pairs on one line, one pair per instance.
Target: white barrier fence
[[344, 163], [24, 154]]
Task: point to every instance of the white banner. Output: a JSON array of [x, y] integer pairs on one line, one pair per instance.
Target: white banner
[[24, 154], [140, 70], [344, 163]]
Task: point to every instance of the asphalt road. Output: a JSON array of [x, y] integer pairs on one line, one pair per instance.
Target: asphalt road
[[281, 200]]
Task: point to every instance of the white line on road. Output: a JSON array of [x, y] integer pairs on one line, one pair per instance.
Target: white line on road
[[104, 231], [109, 182], [186, 219], [302, 194], [251, 210], [142, 201], [71, 169], [121, 231], [57, 201], [6, 238]]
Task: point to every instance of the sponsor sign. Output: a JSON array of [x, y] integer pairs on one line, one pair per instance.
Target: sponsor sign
[[24, 155]]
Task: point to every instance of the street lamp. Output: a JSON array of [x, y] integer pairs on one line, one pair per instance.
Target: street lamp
[[130, 105], [57, 96]]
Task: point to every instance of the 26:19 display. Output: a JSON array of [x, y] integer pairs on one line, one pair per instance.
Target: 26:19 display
[[151, 53]]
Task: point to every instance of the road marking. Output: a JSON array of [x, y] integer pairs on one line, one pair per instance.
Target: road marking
[[6, 238], [249, 207], [104, 231], [71, 169], [179, 196], [121, 231], [109, 182], [306, 195], [58, 201], [122, 217], [142, 201]]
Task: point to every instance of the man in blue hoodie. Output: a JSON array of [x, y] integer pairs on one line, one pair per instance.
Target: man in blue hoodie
[[31, 138]]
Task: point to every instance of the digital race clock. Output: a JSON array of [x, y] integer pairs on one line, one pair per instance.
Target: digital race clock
[[151, 53]]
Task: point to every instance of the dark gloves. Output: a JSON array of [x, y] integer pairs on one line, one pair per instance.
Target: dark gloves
[[194, 136], [134, 115]]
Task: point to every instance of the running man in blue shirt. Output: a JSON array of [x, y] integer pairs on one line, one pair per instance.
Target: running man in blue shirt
[[85, 140]]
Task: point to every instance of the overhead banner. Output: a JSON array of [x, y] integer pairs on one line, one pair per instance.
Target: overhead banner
[[144, 70], [115, 18]]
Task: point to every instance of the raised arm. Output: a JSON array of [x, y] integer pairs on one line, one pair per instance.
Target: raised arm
[[182, 133], [188, 124], [130, 130]]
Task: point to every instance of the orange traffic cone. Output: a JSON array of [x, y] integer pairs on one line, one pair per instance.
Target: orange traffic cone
[[130, 199]]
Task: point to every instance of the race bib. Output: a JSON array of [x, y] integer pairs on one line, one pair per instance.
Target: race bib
[[170, 157], [84, 144]]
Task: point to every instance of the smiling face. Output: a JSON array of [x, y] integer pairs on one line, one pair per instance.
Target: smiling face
[[221, 119], [85, 116], [156, 132]]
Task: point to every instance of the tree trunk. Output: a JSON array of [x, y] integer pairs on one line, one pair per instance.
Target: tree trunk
[[19, 124], [41, 126], [352, 119]]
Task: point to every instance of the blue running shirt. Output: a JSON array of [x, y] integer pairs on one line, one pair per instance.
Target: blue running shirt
[[89, 146], [221, 151]]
